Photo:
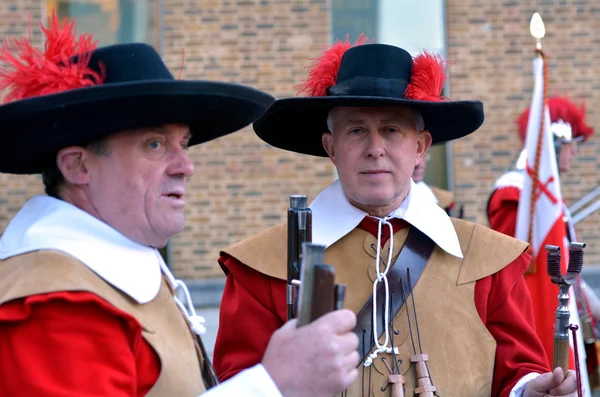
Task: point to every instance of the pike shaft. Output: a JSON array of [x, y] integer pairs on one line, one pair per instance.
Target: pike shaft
[[561, 330]]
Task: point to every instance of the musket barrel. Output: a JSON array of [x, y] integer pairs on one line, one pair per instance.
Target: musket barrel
[[317, 293], [298, 201], [299, 231]]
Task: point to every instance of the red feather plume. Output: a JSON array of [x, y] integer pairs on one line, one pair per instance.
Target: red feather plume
[[563, 109], [31, 72], [324, 70], [427, 78]]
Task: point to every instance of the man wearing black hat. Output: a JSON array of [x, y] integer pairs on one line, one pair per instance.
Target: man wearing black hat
[[442, 304], [87, 304]]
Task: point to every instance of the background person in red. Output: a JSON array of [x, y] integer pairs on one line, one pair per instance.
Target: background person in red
[[87, 304], [568, 128], [374, 110]]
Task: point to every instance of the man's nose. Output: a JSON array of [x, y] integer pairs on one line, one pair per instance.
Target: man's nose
[[375, 142], [181, 164]]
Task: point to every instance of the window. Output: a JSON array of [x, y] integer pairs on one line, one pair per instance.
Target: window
[[111, 21], [353, 17]]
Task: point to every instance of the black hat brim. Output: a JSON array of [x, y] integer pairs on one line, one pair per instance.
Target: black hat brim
[[33, 130], [297, 124]]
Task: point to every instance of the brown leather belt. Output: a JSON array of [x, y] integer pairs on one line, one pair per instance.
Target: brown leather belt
[[414, 255]]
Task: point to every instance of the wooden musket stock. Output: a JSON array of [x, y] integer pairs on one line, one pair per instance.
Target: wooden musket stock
[[319, 294]]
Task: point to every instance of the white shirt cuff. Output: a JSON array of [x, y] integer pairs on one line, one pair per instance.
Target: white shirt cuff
[[252, 382], [519, 388]]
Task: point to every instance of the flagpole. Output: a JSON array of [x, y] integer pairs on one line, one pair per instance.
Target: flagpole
[[538, 31]]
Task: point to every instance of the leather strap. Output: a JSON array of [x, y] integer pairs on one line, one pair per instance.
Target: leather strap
[[415, 253], [209, 375]]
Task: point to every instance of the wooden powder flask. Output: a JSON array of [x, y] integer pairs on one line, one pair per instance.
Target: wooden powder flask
[[560, 355], [397, 382], [424, 387]]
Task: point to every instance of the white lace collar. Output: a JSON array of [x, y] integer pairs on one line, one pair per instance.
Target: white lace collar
[[334, 217], [48, 223]]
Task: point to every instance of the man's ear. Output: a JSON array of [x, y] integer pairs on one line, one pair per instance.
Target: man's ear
[[72, 164], [327, 139], [423, 144]]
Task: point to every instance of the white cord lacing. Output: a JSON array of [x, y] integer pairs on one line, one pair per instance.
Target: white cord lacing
[[196, 321], [382, 276]]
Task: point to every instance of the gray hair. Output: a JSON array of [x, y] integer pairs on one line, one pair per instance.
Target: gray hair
[[53, 178], [419, 122]]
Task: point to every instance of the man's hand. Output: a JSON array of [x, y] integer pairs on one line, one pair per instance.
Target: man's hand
[[552, 383], [318, 359]]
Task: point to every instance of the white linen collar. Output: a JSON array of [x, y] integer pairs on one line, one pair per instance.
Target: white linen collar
[[334, 217], [424, 189], [48, 223]]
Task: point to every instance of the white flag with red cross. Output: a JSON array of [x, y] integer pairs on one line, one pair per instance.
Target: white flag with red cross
[[540, 219]]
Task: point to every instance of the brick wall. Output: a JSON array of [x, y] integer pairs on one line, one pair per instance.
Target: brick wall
[[491, 48], [14, 190], [241, 185]]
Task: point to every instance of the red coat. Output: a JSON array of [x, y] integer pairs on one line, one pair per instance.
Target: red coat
[[502, 213], [502, 210], [73, 344], [253, 307]]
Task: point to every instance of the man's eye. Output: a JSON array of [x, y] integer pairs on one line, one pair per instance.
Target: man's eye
[[155, 144], [355, 131], [392, 129]]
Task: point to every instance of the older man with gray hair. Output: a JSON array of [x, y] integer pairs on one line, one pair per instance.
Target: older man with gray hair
[[442, 304]]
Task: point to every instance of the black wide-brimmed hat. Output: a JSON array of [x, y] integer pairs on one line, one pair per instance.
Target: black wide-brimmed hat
[[73, 93], [367, 75]]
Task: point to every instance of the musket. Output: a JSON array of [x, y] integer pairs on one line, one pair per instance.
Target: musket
[[319, 294], [560, 357], [299, 231]]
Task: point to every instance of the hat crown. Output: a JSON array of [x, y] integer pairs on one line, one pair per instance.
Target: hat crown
[[129, 62], [373, 70], [375, 60]]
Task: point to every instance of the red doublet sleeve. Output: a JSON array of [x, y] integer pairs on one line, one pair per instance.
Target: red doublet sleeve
[[502, 210], [249, 298], [72, 344], [504, 305]]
